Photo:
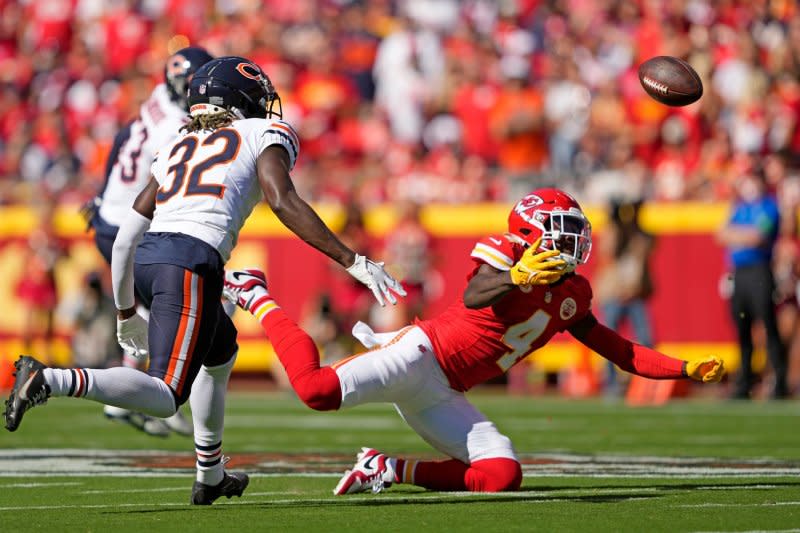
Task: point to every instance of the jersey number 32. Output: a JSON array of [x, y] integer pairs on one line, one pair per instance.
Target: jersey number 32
[[194, 159]]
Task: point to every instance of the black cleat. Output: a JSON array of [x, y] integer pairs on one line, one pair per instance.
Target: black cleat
[[232, 484], [29, 390]]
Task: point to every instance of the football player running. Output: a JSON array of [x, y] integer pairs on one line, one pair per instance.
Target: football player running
[[159, 122], [234, 151], [522, 290]]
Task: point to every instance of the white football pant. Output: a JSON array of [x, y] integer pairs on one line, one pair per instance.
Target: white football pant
[[401, 368]]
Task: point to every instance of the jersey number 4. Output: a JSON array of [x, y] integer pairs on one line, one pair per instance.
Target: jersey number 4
[[520, 337], [223, 145]]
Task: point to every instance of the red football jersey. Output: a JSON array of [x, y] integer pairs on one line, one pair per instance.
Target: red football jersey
[[475, 345]]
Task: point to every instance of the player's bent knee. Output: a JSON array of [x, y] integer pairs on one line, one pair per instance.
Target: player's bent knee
[[168, 400], [319, 401], [319, 390], [495, 475]]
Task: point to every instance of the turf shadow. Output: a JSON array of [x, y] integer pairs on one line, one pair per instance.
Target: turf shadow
[[379, 501], [745, 484]]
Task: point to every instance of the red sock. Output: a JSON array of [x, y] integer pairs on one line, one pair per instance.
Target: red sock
[[434, 475], [487, 475], [317, 387]]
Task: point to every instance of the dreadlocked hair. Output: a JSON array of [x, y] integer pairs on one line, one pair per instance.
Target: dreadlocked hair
[[208, 122]]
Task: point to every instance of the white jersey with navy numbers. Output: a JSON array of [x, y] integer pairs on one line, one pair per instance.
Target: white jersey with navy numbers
[[208, 183], [159, 122]]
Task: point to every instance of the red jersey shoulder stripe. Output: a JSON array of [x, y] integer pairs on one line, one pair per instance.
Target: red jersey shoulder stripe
[[492, 256]]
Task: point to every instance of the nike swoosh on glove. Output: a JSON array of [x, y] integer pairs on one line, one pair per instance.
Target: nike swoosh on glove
[[708, 370]]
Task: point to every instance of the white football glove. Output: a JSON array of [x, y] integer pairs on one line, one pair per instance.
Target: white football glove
[[380, 282], [132, 336]]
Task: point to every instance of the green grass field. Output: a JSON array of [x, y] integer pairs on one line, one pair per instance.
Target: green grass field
[[589, 465]]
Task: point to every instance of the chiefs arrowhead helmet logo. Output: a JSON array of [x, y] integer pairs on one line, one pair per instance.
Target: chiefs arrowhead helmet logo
[[527, 206]]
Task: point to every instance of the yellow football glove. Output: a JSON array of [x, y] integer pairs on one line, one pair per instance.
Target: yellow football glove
[[708, 370], [537, 268]]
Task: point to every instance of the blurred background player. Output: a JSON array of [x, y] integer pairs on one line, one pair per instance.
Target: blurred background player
[[127, 172], [234, 152], [37, 290], [92, 315], [407, 247], [521, 292], [623, 282], [750, 236]]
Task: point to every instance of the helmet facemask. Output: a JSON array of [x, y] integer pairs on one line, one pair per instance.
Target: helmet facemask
[[554, 219], [179, 70], [568, 232], [272, 98], [264, 99]]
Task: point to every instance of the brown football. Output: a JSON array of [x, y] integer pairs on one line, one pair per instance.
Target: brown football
[[670, 80]]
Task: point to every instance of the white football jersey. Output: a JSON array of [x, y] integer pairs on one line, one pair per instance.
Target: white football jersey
[[159, 122], [208, 182]]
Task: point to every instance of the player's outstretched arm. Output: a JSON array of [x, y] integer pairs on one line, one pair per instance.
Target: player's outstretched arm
[[273, 175], [131, 328], [293, 211], [640, 360]]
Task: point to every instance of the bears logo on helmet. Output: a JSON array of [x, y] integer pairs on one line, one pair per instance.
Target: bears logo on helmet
[[236, 85], [249, 70], [179, 69], [557, 219]]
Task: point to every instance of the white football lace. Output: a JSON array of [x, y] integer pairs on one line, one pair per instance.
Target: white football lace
[[653, 84]]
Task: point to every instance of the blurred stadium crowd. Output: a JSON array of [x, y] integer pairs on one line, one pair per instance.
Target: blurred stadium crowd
[[427, 100], [417, 101]]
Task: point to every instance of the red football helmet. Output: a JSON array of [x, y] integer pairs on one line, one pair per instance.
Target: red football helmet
[[558, 219]]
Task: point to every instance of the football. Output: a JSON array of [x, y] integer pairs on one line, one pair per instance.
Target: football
[[670, 80]]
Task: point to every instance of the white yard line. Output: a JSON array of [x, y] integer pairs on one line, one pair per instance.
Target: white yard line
[[450, 496], [38, 485], [757, 504], [138, 463], [756, 531], [529, 496]]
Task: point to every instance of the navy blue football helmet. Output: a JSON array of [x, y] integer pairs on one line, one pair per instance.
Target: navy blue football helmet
[[234, 84], [179, 69]]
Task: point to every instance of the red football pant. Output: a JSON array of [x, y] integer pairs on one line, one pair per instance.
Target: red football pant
[[317, 387], [487, 475]]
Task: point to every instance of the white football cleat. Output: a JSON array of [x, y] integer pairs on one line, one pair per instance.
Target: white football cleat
[[372, 471], [246, 288], [154, 427], [180, 424], [116, 413]]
